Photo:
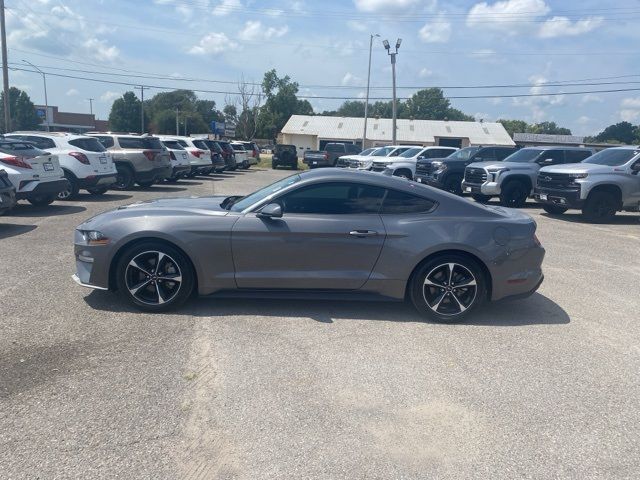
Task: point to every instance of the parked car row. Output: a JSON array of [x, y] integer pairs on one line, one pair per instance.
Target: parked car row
[[559, 178], [42, 167]]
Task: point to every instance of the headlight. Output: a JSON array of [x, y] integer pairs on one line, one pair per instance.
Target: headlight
[[439, 166], [93, 237], [496, 172], [578, 175]]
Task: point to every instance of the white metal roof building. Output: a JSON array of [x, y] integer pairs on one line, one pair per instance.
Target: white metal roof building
[[313, 132]]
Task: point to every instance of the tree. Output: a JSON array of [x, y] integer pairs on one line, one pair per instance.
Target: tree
[[622, 132], [22, 111], [351, 108], [249, 99], [549, 128], [514, 126], [125, 114], [281, 103]]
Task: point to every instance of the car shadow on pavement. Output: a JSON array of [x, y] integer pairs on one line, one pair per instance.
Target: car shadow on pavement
[[107, 197], [535, 310], [159, 188], [8, 230], [24, 210], [578, 218]]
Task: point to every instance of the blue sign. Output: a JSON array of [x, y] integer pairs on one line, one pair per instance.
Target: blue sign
[[41, 112], [217, 128]]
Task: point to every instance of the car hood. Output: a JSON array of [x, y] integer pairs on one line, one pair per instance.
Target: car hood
[[496, 165], [578, 168], [209, 206]]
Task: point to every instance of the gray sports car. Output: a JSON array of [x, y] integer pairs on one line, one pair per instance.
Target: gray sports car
[[324, 232]]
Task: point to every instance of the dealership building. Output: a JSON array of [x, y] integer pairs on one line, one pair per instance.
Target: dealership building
[[309, 132]]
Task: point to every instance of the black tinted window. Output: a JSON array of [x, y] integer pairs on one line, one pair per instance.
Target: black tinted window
[[105, 141], [502, 153], [485, 155], [201, 144], [88, 144], [237, 148], [334, 199], [39, 142], [13, 148], [335, 147], [576, 156], [141, 143], [353, 148], [399, 202], [173, 144], [435, 153]]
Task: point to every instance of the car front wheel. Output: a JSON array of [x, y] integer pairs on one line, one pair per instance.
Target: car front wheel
[[554, 209], [600, 207], [448, 288], [155, 276], [124, 178], [42, 200], [481, 198], [72, 188], [514, 194]]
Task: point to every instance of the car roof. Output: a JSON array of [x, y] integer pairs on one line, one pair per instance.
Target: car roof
[[550, 147], [65, 135]]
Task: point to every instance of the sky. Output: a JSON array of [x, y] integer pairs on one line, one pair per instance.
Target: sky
[[540, 46]]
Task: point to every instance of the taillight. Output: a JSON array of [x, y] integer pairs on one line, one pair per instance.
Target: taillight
[[197, 153], [81, 157], [150, 154], [15, 162], [173, 156]]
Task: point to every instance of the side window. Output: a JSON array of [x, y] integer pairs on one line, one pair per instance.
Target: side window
[[555, 156], [40, 142], [444, 153], [333, 199], [485, 155], [576, 156], [433, 153], [502, 153], [105, 141], [399, 202]]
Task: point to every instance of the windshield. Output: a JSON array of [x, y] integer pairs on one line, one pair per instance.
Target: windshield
[[255, 197], [412, 152], [612, 157], [367, 152], [383, 152], [525, 155], [464, 154]]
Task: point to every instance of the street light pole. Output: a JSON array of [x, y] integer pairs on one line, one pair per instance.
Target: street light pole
[[46, 101], [366, 103], [91, 105], [393, 73], [5, 70]]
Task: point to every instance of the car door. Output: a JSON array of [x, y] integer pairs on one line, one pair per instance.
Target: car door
[[329, 237]]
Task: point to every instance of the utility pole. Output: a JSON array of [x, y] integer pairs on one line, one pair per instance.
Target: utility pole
[[91, 105], [46, 101], [177, 122], [366, 102], [5, 70], [393, 73], [141, 87]]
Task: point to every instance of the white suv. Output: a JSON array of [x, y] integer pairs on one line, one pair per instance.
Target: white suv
[[199, 154], [181, 167], [36, 175], [86, 163]]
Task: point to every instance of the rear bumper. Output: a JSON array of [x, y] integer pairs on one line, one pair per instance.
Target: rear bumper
[[562, 198], [180, 171], [156, 174], [519, 275], [317, 162], [97, 180], [43, 189]]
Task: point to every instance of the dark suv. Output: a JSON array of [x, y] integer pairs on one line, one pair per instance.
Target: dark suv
[[447, 173], [228, 154], [285, 155]]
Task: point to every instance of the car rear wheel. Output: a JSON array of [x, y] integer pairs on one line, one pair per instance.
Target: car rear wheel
[[274, 166], [600, 207], [554, 209], [481, 198], [98, 190], [448, 288], [406, 174], [72, 188], [124, 178], [155, 276], [146, 184], [514, 194], [41, 200]]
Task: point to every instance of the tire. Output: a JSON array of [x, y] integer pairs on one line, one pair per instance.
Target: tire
[[97, 190], [481, 198], [144, 287], [124, 179], [438, 298], [42, 200], [146, 184], [514, 194], [406, 174], [554, 209], [601, 207], [294, 166], [72, 189], [454, 185], [274, 166]]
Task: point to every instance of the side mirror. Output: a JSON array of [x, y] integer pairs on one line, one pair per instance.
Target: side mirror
[[635, 168], [272, 210], [422, 157]]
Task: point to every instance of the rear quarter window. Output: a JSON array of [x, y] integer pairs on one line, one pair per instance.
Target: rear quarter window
[[141, 143], [88, 144], [397, 202], [106, 142], [201, 144], [40, 142]]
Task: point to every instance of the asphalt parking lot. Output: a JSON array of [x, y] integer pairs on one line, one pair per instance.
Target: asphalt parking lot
[[546, 387]]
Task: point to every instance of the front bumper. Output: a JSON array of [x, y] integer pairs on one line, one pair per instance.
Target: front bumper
[[488, 188], [568, 198], [430, 180], [92, 263], [51, 188], [103, 180]]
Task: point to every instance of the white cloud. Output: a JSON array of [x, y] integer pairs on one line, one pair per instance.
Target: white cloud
[[72, 92], [110, 96], [538, 105], [590, 98], [351, 79], [438, 31], [225, 7], [425, 73], [507, 15], [213, 44], [381, 5], [630, 109], [584, 120], [357, 25], [254, 30], [563, 27]]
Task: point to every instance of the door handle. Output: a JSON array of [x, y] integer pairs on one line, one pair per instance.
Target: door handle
[[363, 233]]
